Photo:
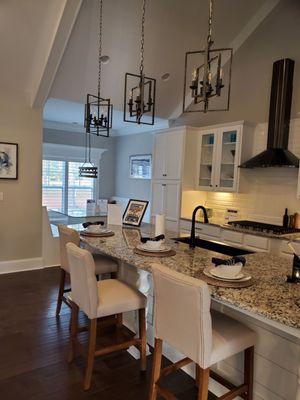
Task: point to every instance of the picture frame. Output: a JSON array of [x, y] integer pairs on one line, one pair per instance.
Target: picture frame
[[9, 160], [134, 212], [140, 166]]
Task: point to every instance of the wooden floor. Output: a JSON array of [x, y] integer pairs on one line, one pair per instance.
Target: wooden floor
[[33, 350]]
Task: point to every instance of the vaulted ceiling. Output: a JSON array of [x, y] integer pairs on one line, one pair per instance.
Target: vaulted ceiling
[[172, 28]]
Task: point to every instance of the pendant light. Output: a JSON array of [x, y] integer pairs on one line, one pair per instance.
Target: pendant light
[[209, 88], [88, 169], [139, 93], [98, 111]]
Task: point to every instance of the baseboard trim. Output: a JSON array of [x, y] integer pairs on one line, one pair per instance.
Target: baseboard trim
[[27, 264]]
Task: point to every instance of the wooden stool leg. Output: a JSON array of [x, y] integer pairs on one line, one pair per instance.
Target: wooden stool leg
[[91, 354], [143, 337], [60, 291], [156, 368], [203, 380], [197, 375], [74, 331], [248, 371], [119, 320]]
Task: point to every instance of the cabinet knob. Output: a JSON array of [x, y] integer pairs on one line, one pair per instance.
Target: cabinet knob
[[210, 185]]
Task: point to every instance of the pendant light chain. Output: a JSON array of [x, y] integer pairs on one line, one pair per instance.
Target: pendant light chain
[[209, 37], [100, 46], [143, 38]]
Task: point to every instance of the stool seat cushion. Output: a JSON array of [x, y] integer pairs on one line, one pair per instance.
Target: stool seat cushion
[[104, 264], [229, 337], [115, 297]]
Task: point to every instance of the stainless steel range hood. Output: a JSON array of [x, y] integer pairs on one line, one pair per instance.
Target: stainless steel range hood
[[277, 153]]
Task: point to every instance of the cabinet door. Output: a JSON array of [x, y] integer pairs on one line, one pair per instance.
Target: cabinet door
[[158, 194], [206, 160], [172, 194], [226, 177], [174, 148], [159, 161]]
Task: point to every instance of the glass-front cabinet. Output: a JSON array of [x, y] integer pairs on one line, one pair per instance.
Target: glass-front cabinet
[[218, 159]]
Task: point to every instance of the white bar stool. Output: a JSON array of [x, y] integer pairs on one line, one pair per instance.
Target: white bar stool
[[184, 320], [101, 299], [103, 264]]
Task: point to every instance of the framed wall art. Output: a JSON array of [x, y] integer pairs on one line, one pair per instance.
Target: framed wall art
[[140, 166], [8, 160]]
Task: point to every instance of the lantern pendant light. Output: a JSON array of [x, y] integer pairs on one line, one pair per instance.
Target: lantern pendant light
[[98, 111], [209, 80], [139, 93], [88, 169]]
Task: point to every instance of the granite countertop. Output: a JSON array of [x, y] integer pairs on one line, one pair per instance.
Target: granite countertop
[[270, 296], [223, 225]]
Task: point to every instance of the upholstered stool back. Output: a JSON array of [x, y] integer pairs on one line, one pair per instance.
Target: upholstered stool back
[[83, 279], [182, 314], [66, 235]]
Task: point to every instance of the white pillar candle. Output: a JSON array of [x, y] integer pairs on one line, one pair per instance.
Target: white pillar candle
[[159, 224]]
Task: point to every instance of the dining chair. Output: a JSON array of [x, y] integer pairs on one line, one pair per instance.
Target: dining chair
[[99, 299], [103, 264], [184, 319]]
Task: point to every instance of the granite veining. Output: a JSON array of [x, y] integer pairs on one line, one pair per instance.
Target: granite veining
[[270, 296]]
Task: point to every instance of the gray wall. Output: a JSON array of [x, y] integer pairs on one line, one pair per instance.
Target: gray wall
[[277, 37], [126, 146], [107, 164]]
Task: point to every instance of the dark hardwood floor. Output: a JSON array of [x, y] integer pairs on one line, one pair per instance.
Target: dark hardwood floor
[[33, 350]]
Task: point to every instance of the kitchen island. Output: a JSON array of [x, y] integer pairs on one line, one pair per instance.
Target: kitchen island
[[270, 306]]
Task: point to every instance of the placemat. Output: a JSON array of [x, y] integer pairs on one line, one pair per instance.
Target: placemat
[[169, 253], [94, 234], [217, 282]]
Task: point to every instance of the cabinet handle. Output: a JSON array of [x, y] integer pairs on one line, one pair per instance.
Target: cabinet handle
[[163, 184]]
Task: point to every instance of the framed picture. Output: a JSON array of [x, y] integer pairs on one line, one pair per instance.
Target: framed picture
[[132, 237], [140, 166], [8, 160], [134, 212]]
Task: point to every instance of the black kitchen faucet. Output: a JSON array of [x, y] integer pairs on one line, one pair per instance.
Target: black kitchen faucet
[[206, 221]]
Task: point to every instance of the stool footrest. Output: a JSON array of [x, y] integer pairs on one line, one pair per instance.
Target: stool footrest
[[175, 366], [165, 393]]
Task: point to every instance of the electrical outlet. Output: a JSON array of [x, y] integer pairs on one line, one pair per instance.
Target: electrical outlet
[[1, 196]]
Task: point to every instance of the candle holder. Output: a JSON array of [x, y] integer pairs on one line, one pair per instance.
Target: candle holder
[[295, 277]]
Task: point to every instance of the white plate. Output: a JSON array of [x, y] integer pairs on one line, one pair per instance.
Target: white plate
[[243, 278], [103, 230], [163, 248], [218, 274]]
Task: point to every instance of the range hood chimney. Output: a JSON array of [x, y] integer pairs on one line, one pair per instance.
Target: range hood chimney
[[277, 153]]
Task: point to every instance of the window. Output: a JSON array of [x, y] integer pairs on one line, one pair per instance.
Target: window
[[63, 189]]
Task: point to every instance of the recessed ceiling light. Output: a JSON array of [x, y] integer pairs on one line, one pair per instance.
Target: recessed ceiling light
[[105, 59], [165, 77]]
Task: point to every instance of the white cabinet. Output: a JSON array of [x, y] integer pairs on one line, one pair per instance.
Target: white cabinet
[[168, 154], [166, 197], [219, 156]]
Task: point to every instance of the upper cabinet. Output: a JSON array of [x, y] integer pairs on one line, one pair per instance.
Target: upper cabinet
[[219, 157], [168, 154]]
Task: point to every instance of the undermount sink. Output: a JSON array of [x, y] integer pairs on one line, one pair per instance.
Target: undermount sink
[[217, 247]]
